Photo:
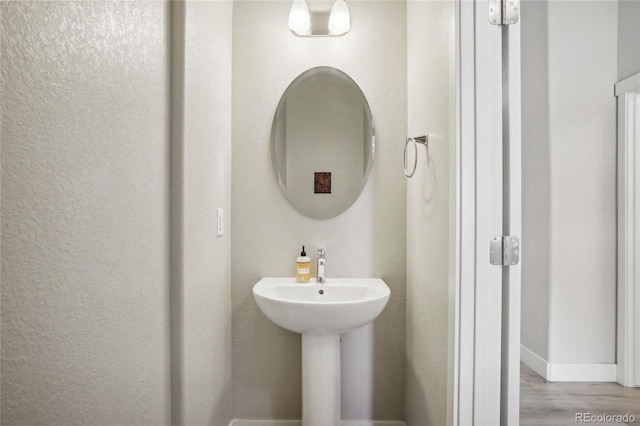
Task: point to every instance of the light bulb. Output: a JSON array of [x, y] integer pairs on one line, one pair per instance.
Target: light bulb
[[299, 20], [339, 20]]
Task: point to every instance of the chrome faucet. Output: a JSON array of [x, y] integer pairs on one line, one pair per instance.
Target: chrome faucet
[[321, 262]]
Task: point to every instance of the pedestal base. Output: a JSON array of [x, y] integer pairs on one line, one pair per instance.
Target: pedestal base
[[321, 380]]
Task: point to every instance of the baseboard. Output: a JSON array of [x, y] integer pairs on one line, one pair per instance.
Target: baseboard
[[372, 423], [238, 422], [581, 373], [533, 361], [568, 372]]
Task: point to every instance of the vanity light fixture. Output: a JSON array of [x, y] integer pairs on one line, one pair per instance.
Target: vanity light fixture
[[299, 18], [319, 22], [339, 20]]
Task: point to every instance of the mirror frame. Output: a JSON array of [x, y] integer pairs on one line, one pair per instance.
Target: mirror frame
[[331, 71]]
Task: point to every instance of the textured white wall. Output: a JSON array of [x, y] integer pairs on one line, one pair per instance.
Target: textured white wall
[[201, 175], [430, 97], [369, 239], [628, 38], [575, 134], [84, 213]]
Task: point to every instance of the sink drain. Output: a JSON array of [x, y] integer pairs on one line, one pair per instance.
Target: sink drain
[[321, 292]]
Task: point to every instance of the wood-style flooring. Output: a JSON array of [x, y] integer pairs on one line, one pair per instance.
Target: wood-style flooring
[[545, 403]]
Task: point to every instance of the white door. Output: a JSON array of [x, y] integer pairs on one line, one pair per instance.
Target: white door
[[488, 298]]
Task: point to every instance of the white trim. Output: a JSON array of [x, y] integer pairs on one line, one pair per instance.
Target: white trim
[[568, 372], [478, 374], [512, 276], [479, 212], [453, 346], [239, 422], [533, 361], [465, 215], [372, 423], [489, 217], [630, 84], [628, 339], [581, 372]]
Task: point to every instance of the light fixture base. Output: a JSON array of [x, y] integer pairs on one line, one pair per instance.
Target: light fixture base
[[319, 15]]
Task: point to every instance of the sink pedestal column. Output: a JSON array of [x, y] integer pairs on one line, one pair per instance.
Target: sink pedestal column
[[320, 379]]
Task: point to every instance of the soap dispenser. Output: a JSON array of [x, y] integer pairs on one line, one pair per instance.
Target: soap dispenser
[[303, 267]]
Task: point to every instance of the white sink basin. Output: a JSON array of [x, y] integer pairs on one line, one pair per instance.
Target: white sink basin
[[336, 306], [321, 312]]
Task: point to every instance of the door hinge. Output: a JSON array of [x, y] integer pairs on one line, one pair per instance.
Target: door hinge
[[504, 250], [504, 12]]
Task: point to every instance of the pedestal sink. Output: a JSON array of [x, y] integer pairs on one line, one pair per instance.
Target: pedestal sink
[[320, 312]]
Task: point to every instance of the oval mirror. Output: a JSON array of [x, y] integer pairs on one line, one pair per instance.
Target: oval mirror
[[322, 142]]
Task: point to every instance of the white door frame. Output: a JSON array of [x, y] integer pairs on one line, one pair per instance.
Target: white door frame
[[511, 307], [480, 332], [463, 276], [628, 341]]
